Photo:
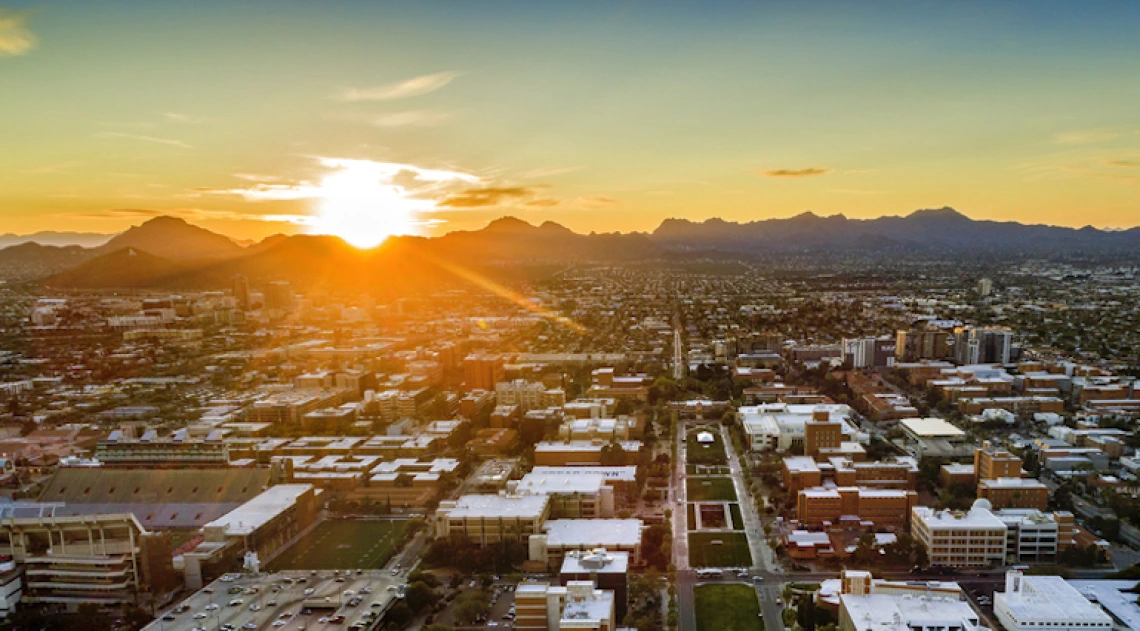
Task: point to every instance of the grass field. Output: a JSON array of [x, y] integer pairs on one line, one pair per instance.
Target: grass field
[[694, 469], [737, 518], [709, 490], [342, 545], [704, 453], [731, 551], [727, 608]]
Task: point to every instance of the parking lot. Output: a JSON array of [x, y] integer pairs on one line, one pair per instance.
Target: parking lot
[[286, 601]]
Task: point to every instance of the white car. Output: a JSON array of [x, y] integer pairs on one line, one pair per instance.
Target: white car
[[255, 607], [309, 591], [279, 623], [201, 615], [212, 607]]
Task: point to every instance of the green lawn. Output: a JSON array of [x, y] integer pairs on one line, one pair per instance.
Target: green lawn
[[727, 608], [719, 549], [704, 453], [737, 518], [709, 490], [342, 545]]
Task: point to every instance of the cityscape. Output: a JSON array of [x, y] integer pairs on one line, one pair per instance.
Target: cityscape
[[303, 360]]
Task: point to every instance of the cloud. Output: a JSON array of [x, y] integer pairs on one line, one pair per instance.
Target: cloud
[[597, 201], [793, 173], [1087, 136], [551, 172], [415, 86], [410, 118], [182, 118], [856, 191], [490, 196], [1124, 163], [15, 38], [190, 214], [542, 202], [162, 141], [54, 168]]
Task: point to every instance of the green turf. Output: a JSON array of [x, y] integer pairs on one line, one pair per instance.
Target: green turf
[[342, 545], [692, 513], [737, 518], [729, 607], [709, 490], [700, 453], [732, 551]]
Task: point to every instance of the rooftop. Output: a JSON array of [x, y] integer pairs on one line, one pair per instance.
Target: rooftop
[[573, 533], [255, 513], [1051, 599]]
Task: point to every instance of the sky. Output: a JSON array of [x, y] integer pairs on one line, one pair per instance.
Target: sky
[[370, 118]]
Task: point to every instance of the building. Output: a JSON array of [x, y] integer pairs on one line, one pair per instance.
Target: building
[[487, 519], [278, 296], [11, 585], [865, 605], [528, 395], [991, 463], [782, 426], [578, 605], [621, 428], [482, 371], [177, 450], [241, 293], [801, 472], [586, 453], [919, 344], [290, 406], [606, 384], [983, 345], [67, 561], [974, 538], [560, 537], [1046, 602], [855, 506], [1036, 537], [1014, 493], [920, 429], [571, 496], [870, 352], [607, 570]]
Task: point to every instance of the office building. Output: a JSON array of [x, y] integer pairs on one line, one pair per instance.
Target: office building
[[1031, 603], [528, 395], [991, 463], [870, 352], [919, 344], [1036, 537], [571, 496], [482, 371], [855, 506], [607, 570], [780, 426], [868, 605], [241, 293], [974, 538], [1014, 493], [579, 606], [487, 519], [983, 345]]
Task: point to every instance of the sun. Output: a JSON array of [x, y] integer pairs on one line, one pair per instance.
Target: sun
[[357, 204]]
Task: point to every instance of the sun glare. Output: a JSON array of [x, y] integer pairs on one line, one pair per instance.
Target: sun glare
[[359, 205]]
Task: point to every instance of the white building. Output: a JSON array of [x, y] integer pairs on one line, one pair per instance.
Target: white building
[[528, 395], [779, 426], [577, 606], [974, 538], [571, 496], [865, 605], [486, 519], [1031, 603]]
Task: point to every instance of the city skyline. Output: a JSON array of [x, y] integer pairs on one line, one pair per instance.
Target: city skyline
[[367, 120]]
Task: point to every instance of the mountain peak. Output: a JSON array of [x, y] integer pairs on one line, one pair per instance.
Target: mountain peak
[[945, 213], [175, 238], [508, 224]]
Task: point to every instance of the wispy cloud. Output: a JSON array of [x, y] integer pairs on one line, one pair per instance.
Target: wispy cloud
[[593, 202], [793, 173], [182, 118], [15, 38], [483, 197], [415, 86], [54, 168], [1124, 163], [855, 191], [154, 139], [542, 202], [550, 172], [1087, 136], [189, 214], [410, 118]]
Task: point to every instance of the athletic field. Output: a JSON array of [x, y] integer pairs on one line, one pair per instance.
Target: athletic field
[[342, 545]]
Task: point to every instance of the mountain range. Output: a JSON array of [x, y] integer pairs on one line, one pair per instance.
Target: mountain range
[[167, 252]]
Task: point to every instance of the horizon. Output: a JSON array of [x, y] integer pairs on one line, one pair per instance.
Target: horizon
[[746, 112]]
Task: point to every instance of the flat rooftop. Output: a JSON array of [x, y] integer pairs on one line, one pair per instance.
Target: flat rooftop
[[1051, 599], [479, 506], [595, 533], [931, 428], [247, 518]]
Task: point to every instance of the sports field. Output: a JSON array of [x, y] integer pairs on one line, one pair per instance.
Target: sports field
[[714, 489], [342, 545], [719, 549], [727, 608]]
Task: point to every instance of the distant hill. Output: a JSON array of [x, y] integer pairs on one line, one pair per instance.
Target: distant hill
[[174, 239], [128, 267], [32, 260], [60, 239], [943, 229]]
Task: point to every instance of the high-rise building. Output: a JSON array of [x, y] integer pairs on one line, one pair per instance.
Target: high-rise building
[[919, 344], [241, 292], [985, 287], [983, 345], [870, 352], [482, 371], [279, 296]]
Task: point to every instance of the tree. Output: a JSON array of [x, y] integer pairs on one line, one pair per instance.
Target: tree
[[403, 480], [420, 595], [613, 455]]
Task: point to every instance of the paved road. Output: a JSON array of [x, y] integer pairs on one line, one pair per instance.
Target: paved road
[[687, 620]]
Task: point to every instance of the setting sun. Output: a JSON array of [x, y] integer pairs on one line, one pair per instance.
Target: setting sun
[[359, 206]]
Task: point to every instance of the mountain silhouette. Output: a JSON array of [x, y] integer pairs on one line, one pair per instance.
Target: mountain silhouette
[[174, 239]]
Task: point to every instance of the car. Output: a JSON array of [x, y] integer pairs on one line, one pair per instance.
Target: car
[[272, 603], [309, 591], [395, 571], [323, 620], [366, 590], [255, 607], [209, 590], [237, 602], [201, 615], [168, 617], [337, 619], [197, 629], [212, 607], [280, 623], [249, 625], [228, 627], [182, 608], [340, 579]]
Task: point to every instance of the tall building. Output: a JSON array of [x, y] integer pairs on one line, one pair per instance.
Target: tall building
[[1046, 602], [919, 344], [985, 287], [482, 371], [870, 352], [279, 296], [991, 463], [983, 345], [608, 570], [578, 605], [241, 292]]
